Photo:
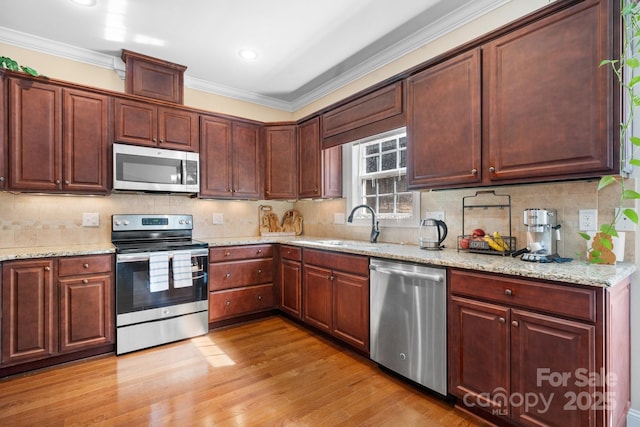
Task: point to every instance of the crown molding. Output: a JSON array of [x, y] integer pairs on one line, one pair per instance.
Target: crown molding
[[447, 24]]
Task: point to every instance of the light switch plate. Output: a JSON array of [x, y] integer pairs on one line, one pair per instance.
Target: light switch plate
[[91, 219], [217, 218], [623, 223]]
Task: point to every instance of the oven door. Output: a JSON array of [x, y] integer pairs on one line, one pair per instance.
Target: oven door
[[138, 301]]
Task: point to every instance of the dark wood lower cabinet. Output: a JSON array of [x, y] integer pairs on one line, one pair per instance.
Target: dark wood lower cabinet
[[290, 281]]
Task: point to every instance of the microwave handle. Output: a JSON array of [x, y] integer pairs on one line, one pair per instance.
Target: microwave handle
[[183, 178]]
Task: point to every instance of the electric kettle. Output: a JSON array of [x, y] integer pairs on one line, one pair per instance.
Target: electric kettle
[[432, 233]]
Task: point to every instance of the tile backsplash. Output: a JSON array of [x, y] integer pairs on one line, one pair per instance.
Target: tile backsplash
[[49, 220]]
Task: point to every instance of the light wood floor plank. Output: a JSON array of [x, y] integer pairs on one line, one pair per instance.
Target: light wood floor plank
[[270, 372]]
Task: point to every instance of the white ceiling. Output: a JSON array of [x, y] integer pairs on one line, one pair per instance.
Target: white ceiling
[[305, 48]]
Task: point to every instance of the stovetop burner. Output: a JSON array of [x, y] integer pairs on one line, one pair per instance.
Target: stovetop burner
[[157, 246]]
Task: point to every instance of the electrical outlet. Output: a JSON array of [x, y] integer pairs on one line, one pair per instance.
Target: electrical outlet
[[217, 218], [91, 219], [623, 223], [434, 215], [588, 219]]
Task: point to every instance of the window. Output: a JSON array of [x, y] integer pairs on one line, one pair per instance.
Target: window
[[376, 169]]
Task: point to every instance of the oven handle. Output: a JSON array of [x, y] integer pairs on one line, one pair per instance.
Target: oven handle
[[144, 256]]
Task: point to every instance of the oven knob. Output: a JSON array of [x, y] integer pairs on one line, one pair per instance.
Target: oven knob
[[125, 222], [187, 221], [181, 221], [117, 222]]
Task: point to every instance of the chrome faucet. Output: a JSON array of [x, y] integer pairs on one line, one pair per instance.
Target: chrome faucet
[[375, 229]]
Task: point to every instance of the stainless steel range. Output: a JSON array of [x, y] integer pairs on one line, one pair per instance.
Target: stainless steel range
[[161, 280]]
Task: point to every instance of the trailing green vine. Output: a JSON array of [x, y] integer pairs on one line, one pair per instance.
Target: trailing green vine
[[628, 62], [10, 64]]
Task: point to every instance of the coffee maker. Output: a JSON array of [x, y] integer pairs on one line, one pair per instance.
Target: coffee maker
[[543, 233]]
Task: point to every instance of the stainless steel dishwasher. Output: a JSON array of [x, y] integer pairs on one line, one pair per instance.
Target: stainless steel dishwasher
[[408, 321]]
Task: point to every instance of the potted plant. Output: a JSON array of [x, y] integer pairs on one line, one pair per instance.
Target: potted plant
[[10, 64], [623, 68]]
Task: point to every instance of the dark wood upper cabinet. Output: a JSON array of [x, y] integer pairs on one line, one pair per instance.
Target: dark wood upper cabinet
[[548, 105], [145, 123], [281, 168], [332, 172], [444, 123], [309, 163], [3, 132], [154, 78], [230, 154]]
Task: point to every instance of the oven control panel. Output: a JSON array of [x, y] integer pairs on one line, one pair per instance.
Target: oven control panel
[[151, 222]]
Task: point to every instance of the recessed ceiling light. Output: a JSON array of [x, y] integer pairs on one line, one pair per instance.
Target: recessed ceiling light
[[248, 54], [85, 2]]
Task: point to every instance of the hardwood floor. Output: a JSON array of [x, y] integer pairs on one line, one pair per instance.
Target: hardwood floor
[[264, 373]]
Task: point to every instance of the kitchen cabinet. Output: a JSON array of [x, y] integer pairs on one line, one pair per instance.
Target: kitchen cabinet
[[231, 159], [335, 295], [438, 152], [332, 172], [290, 280], [511, 338], [529, 105], [281, 168], [155, 125], [240, 281], [56, 306], [319, 170], [58, 138], [3, 132]]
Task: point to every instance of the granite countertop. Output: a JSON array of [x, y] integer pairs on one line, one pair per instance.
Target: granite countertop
[[578, 272]]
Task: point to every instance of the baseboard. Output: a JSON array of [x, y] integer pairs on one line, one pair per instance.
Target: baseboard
[[633, 418]]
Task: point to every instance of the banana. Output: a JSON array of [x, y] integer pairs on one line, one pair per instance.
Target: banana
[[493, 244], [500, 241]]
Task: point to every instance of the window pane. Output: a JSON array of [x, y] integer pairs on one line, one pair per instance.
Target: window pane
[[403, 158], [372, 164], [385, 185], [386, 205], [372, 149], [389, 161], [389, 145], [369, 187], [370, 201], [405, 203], [403, 142], [402, 184]]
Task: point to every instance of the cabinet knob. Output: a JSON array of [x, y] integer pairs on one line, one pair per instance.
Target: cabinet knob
[[268, 192], [85, 265], [259, 271], [85, 281], [259, 251], [154, 139], [501, 320], [226, 276], [227, 253], [515, 323], [67, 182], [1, 178], [474, 171], [508, 292], [259, 297], [228, 303], [47, 268], [57, 181], [492, 169], [161, 141]]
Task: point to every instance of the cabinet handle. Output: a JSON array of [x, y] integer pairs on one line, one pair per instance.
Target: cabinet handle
[[1, 178], [474, 171], [492, 169], [259, 251], [154, 139], [47, 268], [228, 303], [268, 192], [57, 181], [226, 276], [67, 182], [161, 141], [85, 265], [259, 271], [515, 323], [259, 297], [85, 281], [508, 292], [227, 253], [501, 320]]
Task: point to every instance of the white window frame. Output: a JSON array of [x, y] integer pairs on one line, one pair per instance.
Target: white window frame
[[352, 187]]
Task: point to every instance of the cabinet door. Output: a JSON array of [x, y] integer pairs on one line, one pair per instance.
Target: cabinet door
[[136, 122], [3, 133], [281, 169], [86, 137], [332, 172], [85, 312], [35, 135], [247, 161], [309, 161], [291, 287], [554, 358], [178, 129], [29, 312], [215, 157], [316, 297], [479, 354], [548, 109], [351, 309], [443, 123]]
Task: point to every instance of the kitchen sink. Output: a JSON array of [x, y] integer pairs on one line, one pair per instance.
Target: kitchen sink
[[348, 244]]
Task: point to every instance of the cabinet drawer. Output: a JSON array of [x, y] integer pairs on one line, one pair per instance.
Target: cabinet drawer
[[90, 264], [291, 252], [231, 253], [356, 264], [235, 274], [240, 301], [556, 299]]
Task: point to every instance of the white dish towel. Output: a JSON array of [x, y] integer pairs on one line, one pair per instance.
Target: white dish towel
[[182, 269], [158, 271]]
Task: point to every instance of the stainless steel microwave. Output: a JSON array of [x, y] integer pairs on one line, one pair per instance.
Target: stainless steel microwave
[[151, 169]]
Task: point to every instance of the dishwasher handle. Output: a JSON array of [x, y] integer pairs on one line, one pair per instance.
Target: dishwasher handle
[[414, 275]]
